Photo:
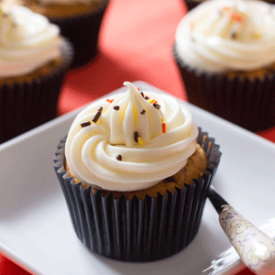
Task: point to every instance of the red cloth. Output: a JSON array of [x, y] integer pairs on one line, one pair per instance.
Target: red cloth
[[135, 44]]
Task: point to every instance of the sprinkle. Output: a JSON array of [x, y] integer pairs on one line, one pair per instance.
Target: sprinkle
[[151, 101], [156, 101], [233, 35], [119, 157], [157, 106], [116, 108], [136, 136], [141, 141], [100, 109], [142, 94], [255, 35], [163, 126], [138, 88], [237, 17], [143, 112], [110, 100], [97, 116], [225, 8], [147, 97], [85, 124], [161, 120]]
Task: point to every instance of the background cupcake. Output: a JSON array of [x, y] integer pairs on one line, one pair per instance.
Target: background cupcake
[[79, 21], [135, 172], [225, 51], [33, 61]]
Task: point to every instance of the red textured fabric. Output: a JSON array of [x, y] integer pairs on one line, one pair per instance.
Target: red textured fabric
[[135, 44]]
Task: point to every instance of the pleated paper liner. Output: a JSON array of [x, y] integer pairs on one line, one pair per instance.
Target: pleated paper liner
[[137, 230], [83, 32], [30, 103], [245, 102]]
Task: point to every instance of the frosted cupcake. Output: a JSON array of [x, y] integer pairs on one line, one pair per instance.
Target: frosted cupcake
[[33, 61], [79, 21], [225, 51], [135, 171]]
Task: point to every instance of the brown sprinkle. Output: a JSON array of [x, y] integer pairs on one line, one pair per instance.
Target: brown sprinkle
[[97, 116], [142, 94], [233, 35], [143, 112], [119, 157], [157, 106], [147, 97], [116, 108], [100, 109], [136, 136], [85, 124]]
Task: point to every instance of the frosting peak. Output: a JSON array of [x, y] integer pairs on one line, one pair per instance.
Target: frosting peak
[[131, 141], [234, 22], [132, 116], [227, 35], [27, 40]]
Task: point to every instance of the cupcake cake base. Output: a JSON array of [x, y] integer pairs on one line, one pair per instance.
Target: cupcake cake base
[[31, 100], [245, 100]]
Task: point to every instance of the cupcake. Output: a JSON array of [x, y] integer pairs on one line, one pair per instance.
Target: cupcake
[[135, 171], [225, 51], [79, 21], [33, 61]]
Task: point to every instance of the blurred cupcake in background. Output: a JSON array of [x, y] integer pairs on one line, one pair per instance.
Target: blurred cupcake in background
[[225, 51], [33, 61], [79, 21]]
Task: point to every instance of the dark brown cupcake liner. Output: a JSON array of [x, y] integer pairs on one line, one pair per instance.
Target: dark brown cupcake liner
[[28, 104], [137, 230], [83, 33], [191, 4], [245, 102]]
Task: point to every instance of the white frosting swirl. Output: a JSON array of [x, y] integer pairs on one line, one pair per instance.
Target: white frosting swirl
[[147, 158], [221, 35], [27, 41]]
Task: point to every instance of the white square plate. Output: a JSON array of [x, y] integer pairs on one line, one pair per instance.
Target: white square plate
[[35, 227]]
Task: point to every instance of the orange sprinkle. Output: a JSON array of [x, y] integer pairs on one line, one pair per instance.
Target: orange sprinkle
[[138, 88], [163, 125], [156, 102], [225, 8], [192, 25], [110, 100], [237, 17]]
